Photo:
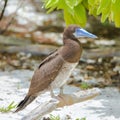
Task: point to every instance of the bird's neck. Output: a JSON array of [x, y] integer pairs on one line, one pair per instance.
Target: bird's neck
[[71, 51]]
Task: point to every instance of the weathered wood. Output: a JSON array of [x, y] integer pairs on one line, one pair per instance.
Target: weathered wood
[[13, 41], [15, 45], [35, 50], [60, 101], [47, 49], [96, 53]]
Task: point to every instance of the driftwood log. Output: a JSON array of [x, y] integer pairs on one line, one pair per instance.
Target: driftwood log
[[13, 45], [61, 101]]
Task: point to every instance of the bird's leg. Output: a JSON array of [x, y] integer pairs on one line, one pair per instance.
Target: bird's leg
[[61, 90], [52, 93]]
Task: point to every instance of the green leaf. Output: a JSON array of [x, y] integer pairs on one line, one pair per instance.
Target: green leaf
[[105, 4], [50, 3], [85, 3], [84, 85], [116, 12], [93, 6], [75, 10], [52, 117], [61, 4], [80, 15], [72, 3], [90, 2], [68, 18], [113, 1], [8, 108]]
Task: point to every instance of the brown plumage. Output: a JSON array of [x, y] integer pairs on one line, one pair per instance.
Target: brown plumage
[[54, 71]]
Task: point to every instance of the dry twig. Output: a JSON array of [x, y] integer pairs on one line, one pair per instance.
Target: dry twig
[[3, 10]]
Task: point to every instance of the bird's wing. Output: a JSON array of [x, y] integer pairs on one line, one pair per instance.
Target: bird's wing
[[47, 59], [46, 73]]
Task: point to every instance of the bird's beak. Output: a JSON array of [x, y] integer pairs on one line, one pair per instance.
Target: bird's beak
[[79, 32]]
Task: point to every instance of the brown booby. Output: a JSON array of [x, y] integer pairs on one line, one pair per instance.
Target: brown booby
[[54, 71]]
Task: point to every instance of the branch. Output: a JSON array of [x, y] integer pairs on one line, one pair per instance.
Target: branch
[[1, 16], [12, 18], [60, 101], [6, 27]]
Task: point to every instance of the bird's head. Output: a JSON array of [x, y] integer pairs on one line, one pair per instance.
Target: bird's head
[[75, 32]]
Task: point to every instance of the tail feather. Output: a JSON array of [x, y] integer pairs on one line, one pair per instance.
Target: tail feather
[[27, 100]]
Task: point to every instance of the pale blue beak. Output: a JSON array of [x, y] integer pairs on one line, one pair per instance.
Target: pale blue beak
[[79, 32]]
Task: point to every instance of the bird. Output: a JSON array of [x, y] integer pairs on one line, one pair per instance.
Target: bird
[[55, 70]]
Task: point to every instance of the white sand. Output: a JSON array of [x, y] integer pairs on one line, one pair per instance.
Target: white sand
[[106, 106]]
